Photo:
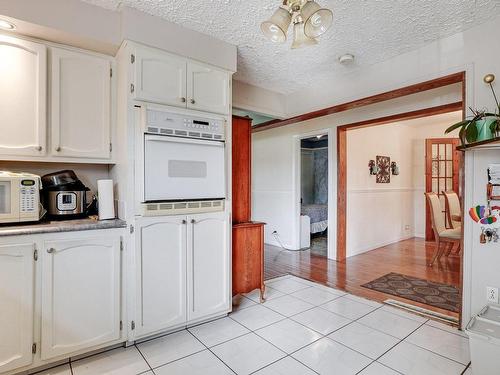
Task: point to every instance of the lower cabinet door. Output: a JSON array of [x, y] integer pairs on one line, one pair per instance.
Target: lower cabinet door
[[16, 305], [161, 274], [208, 265], [80, 294]]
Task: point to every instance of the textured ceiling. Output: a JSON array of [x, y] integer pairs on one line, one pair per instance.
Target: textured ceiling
[[372, 30]]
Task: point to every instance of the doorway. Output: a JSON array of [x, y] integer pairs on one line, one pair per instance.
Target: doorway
[[314, 161], [442, 161]]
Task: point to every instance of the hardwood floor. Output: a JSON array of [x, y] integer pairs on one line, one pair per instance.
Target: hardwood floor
[[409, 257]]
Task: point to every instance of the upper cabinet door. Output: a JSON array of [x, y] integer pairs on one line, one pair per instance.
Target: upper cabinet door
[[159, 77], [208, 89], [16, 309], [81, 105], [80, 294], [23, 87], [161, 275], [208, 266]]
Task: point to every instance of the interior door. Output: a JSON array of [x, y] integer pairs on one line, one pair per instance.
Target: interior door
[[207, 88], [208, 265], [159, 77], [16, 306], [442, 163], [161, 279], [80, 294], [23, 87], [81, 104]]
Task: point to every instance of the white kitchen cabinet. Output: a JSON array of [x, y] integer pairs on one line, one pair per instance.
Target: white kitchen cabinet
[[80, 116], [159, 77], [161, 276], [80, 287], [16, 305], [207, 88], [23, 87], [208, 266]]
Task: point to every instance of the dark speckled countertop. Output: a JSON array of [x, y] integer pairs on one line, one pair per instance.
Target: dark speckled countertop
[[90, 223]]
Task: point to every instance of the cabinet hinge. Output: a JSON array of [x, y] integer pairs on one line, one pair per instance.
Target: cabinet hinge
[[111, 72], [132, 325], [131, 229], [121, 325], [132, 58], [121, 244], [110, 147], [132, 88], [33, 348], [35, 255]]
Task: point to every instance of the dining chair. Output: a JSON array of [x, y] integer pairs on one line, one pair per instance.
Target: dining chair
[[442, 235], [454, 211]]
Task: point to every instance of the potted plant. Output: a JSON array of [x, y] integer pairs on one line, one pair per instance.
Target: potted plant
[[482, 125]]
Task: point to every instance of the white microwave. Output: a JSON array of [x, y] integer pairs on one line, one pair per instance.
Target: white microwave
[[19, 197]]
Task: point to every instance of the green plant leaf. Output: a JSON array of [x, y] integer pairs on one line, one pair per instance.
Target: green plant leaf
[[457, 125], [471, 132], [461, 135], [494, 126]]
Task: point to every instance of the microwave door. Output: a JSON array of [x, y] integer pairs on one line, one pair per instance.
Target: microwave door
[[9, 201], [183, 169]]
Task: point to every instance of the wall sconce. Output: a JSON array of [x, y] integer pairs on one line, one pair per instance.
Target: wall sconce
[[394, 168], [373, 167]]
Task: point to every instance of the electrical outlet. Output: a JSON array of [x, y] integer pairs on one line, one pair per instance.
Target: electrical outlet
[[492, 294], [407, 227]]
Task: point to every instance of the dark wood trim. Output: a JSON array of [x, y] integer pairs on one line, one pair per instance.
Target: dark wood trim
[[426, 112], [342, 161], [341, 193], [393, 94]]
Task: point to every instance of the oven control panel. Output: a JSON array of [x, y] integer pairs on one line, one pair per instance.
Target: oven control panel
[[174, 124]]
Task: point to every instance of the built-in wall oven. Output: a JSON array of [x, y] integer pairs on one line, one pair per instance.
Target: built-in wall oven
[[183, 161]]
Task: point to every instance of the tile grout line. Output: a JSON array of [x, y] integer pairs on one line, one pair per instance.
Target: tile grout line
[[143, 357], [216, 356]]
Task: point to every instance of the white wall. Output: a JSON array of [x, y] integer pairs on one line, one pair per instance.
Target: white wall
[[380, 214]]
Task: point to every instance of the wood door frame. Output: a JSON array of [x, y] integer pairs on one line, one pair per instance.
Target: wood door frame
[[456, 159], [458, 77], [342, 161]]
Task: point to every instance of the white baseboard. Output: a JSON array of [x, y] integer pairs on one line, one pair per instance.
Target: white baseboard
[[380, 244]]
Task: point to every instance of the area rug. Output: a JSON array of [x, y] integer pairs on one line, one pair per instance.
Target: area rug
[[440, 295]]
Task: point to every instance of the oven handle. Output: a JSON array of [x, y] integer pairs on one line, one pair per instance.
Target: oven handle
[[166, 138]]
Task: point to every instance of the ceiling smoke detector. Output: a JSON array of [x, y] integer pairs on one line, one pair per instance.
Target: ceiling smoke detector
[[346, 59]]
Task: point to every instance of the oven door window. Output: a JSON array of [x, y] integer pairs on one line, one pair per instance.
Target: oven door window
[[183, 169]]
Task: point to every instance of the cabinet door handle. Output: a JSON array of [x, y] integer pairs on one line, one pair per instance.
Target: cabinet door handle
[[58, 148], [193, 221], [51, 250], [183, 99], [39, 148], [184, 222], [192, 101]]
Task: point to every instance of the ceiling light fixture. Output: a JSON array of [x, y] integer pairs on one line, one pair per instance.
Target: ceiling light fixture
[[6, 25], [308, 18]]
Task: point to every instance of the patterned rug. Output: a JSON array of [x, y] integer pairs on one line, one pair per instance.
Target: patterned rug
[[431, 293]]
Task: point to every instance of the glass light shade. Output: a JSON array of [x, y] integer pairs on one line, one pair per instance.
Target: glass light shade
[[275, 28], [6, 25], [317, 20], [299, 38]]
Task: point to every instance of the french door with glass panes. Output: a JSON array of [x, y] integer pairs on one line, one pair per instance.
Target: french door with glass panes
[[442, 163]]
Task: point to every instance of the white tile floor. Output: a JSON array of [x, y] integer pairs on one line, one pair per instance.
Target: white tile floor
[[302, 329]]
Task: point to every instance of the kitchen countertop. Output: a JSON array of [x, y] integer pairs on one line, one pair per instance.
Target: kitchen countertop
[[89, 223]]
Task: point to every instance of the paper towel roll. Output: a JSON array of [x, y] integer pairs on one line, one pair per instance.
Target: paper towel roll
[[105, 199]]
